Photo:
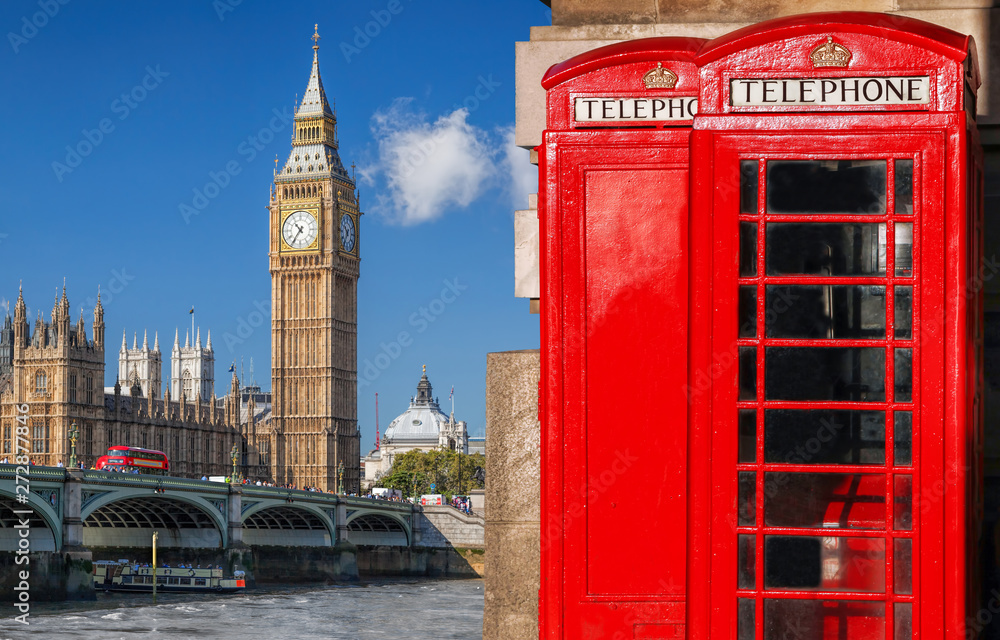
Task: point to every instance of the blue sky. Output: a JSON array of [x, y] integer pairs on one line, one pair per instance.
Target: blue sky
[[185, 89]]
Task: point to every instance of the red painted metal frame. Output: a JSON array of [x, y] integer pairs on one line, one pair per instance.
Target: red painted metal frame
[[601, 354]]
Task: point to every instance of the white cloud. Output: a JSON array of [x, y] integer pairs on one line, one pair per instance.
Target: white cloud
[[522, 175], [428, 167]]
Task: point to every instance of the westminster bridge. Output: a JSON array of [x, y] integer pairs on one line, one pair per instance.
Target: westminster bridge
[[279, 534]]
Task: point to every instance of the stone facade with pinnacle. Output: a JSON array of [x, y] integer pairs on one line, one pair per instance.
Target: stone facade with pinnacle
[[56, 367]]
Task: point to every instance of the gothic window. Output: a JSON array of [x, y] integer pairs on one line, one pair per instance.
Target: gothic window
[[188, 385], [321, 187], [285, 191], [142, 441], [6, 439], [41, 382], [90, 389], [208, 449], [39, 436], [177, 446], [451, 444], [159, 440], [109, 440], [72, 387], [88, 439]]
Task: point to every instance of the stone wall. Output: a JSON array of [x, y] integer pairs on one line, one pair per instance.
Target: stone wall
[[52, 577], [443, 526], [421, 562], [512, 495]]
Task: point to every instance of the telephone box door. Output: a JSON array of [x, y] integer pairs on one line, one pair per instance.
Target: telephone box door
[[827, 341], [614, 319]]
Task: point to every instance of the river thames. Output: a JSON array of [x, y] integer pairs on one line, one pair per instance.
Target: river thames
[[398, 608]]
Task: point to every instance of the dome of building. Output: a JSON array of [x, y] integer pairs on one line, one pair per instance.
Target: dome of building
[[422, 420]]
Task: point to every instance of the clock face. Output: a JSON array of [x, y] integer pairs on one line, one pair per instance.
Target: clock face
[[347, 235], [299, 230]]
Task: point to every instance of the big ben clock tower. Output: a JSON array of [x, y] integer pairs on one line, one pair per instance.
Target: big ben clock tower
[[314, 256]]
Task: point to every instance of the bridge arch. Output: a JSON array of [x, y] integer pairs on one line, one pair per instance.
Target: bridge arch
[[45, 526], [290, 525], [366, 527], [128, 519]]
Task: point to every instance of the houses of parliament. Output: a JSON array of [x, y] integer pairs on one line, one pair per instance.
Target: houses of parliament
[[304, 432]]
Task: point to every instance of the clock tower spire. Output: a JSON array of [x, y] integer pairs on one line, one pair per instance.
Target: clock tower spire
[[314, 263]]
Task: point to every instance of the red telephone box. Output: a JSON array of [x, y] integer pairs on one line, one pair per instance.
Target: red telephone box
[[762, 339], [614, 223], [836, 234]]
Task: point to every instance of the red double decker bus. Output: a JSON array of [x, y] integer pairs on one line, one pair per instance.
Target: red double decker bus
[[134, 460]]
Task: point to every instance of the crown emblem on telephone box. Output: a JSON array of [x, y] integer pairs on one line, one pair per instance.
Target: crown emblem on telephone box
[[830, 54], [660, 78]]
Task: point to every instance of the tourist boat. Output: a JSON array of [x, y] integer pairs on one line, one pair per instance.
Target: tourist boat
[[122, 575]]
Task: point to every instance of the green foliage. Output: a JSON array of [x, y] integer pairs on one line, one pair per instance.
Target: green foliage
[[413, 473]]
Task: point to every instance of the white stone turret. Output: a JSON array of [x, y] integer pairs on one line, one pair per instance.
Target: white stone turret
[[192, 369], [141, 366]]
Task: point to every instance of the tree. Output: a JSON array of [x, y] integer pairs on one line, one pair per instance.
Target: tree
[[413, 472]]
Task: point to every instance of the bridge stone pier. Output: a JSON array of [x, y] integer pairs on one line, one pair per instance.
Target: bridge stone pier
[[64, 519]]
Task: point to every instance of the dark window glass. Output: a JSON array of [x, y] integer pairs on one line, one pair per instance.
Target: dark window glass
[[748, 373], [825, 311], [823, 500], [792, 562], [903, 438], [903, 321], [748, 186], [746, 627], [825, 373], [903, 503], [826, 186], [903, 362], [824, 249], [904, 187], [748, 498], [902, 565], [824, 436], [748, 435], [816, 619], [748, 249], [747, 561], [902, 621], [748, 312], [824, 564]]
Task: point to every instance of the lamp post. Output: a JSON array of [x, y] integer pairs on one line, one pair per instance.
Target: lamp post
[[340, 478], [234, 454], [74, 433]]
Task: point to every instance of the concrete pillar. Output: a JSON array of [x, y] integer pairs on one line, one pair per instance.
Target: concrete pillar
[[235, 515], [512, 496], [72, 510]]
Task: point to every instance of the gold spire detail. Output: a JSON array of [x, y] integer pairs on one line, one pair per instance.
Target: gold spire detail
[[315, 38]]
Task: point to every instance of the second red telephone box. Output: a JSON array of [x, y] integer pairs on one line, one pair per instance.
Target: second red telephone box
[[835, 226]]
